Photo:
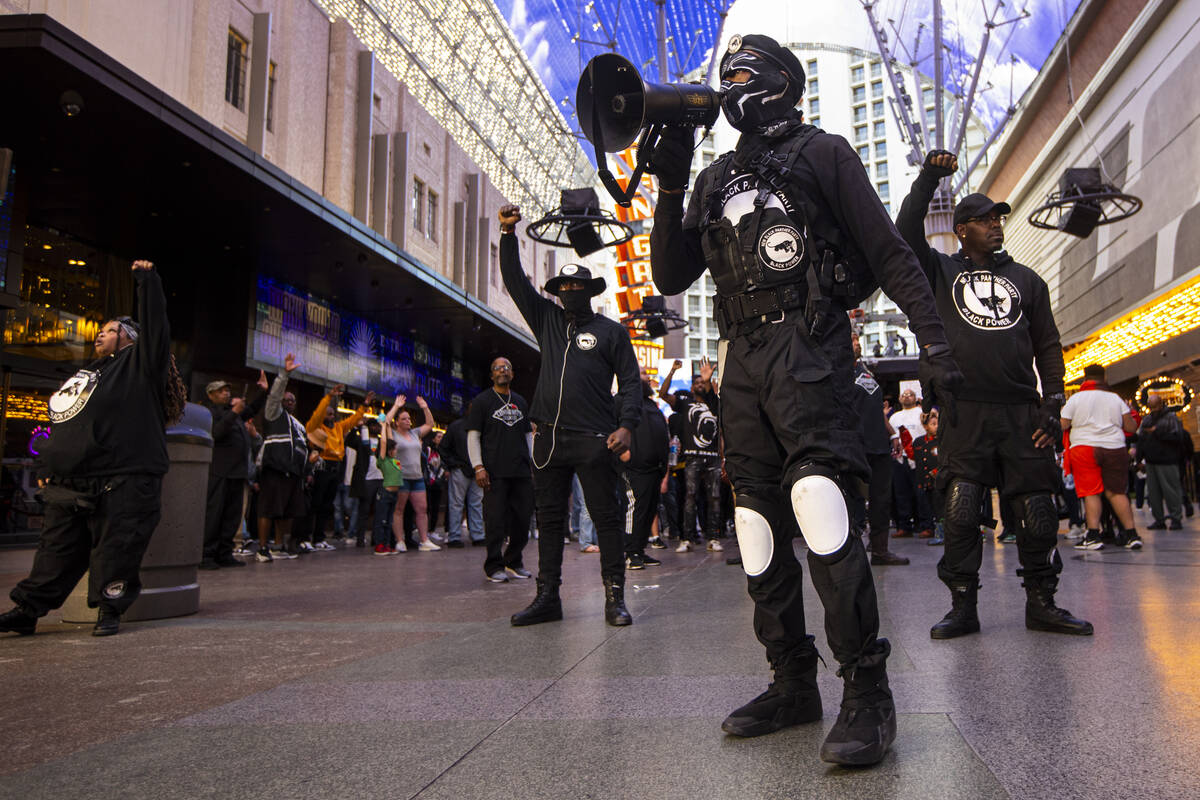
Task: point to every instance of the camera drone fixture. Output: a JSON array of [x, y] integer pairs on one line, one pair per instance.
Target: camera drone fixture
[[580, 223], [1083, 202], [653, 320]]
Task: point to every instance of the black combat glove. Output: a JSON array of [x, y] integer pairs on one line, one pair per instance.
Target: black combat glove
[[940, 379], [933, 170], [1049, 418], [671, 160]]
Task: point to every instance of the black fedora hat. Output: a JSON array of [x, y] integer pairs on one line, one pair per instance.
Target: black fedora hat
[[576, 272]]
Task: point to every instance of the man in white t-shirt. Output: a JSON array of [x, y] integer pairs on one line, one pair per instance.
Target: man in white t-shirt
[[912, 504], [1098, 420]]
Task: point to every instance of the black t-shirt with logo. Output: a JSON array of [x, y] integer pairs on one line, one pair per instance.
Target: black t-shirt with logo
[[868, 404], [998, 318], [699, 424], [503, 424]]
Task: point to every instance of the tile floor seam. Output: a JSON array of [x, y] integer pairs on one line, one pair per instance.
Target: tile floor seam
[[961, 735], [503, 724]]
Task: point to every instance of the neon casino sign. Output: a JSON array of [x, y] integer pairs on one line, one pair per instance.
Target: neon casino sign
[[39, 435], [334, 346], [1176, 395]]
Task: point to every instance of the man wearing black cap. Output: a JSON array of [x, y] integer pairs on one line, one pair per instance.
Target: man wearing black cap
[[997, 314], [580, 426], [793, 233]]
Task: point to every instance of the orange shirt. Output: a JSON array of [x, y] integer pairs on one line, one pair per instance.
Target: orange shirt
[[335, 442]]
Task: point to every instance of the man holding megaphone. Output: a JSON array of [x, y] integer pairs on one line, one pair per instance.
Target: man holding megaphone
[[793, 234]]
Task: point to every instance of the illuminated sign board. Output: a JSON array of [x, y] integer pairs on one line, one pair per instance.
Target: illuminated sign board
[[1176, 395], [334, 346], [633, 260]]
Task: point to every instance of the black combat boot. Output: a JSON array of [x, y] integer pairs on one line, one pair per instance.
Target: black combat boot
[[1041, 614], [546, 606], [791, 699], [18, 620], [615, 612], [866, 724], [963, 617], [108, 624]]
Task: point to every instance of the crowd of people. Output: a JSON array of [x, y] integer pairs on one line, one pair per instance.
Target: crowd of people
[[788, 435]]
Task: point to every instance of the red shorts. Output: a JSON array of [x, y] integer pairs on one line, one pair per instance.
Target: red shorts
[[1099, 469]]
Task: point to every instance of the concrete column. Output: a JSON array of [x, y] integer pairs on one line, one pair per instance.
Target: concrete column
[[485, 259], [471, 235], [363, 105], [379, 182], [260, 66], [400, 189], [459, 244]]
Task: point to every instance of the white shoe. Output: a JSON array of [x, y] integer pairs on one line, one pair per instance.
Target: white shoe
[[307, 547], [400, 547], [684, 547], [427, 547], [714, 546], [323, 546], [1076, 533]]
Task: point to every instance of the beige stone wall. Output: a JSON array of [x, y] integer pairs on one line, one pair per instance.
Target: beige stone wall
[[180, 46]]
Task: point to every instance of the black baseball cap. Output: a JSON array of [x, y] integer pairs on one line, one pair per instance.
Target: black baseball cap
[[978, 205]]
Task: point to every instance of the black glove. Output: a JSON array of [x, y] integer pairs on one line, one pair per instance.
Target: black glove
[[940, 379], [671, 160], [929, 168], [1050, 417]]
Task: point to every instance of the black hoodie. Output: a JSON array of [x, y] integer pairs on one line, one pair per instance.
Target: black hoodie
[[108, 418], [579, 358], [997, 316]]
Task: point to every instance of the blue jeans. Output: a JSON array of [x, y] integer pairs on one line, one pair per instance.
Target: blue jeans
[[464, 492], [345, 504], [385, 502], [581, 521]]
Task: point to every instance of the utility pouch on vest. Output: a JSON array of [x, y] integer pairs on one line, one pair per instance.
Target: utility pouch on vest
[[724, 258]]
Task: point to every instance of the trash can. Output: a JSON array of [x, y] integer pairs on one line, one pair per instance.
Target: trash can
[[169, 570]]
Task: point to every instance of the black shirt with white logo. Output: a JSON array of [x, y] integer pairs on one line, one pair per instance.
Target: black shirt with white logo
[[579, 359], [699, 423], [997, 316], [503, 425], [108, 419], [868, 404]]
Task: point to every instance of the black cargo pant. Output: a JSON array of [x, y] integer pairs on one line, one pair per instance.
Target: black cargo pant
[[588, 456], [646, 488], [507, 509], [991, 444], [702, 474], [222, 516], [787, 412], [875, 513], [101, 524]]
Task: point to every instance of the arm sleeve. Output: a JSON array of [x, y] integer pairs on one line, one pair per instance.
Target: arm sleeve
[[352, 420], [475, 448], [529, 442], [533, 307], [1047, 349], [676, 258], [222, 423], [275, 397], [318, 415], [861, 215], [1068, 409], [911, 223], [154, 341], [475, 417], [629, 383]]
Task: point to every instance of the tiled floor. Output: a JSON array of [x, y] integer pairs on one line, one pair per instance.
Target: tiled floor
[[347, 675]]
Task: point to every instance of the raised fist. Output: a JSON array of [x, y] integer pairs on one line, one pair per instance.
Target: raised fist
[[940, 163]]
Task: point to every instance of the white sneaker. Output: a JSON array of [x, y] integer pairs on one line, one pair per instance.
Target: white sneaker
[[401, 547], [427, 547], [714, 546], [1076, 533], [684, 547], [307, 547], [323, 546]]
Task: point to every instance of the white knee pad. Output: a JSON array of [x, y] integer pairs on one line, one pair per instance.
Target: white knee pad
[[821, 513], [755, 540]]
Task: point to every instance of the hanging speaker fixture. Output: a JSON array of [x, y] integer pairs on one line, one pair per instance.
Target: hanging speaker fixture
[[1083, 202], [581, 224]]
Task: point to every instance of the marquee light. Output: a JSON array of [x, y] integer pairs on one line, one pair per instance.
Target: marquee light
[[1153, 323], [27, 406], [466, 69], [1176, 395]]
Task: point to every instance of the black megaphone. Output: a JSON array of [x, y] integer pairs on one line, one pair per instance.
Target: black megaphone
[[615, 105]]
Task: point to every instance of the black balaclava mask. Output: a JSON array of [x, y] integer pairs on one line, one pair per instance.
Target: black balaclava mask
[[576, 302], [768, 94]]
